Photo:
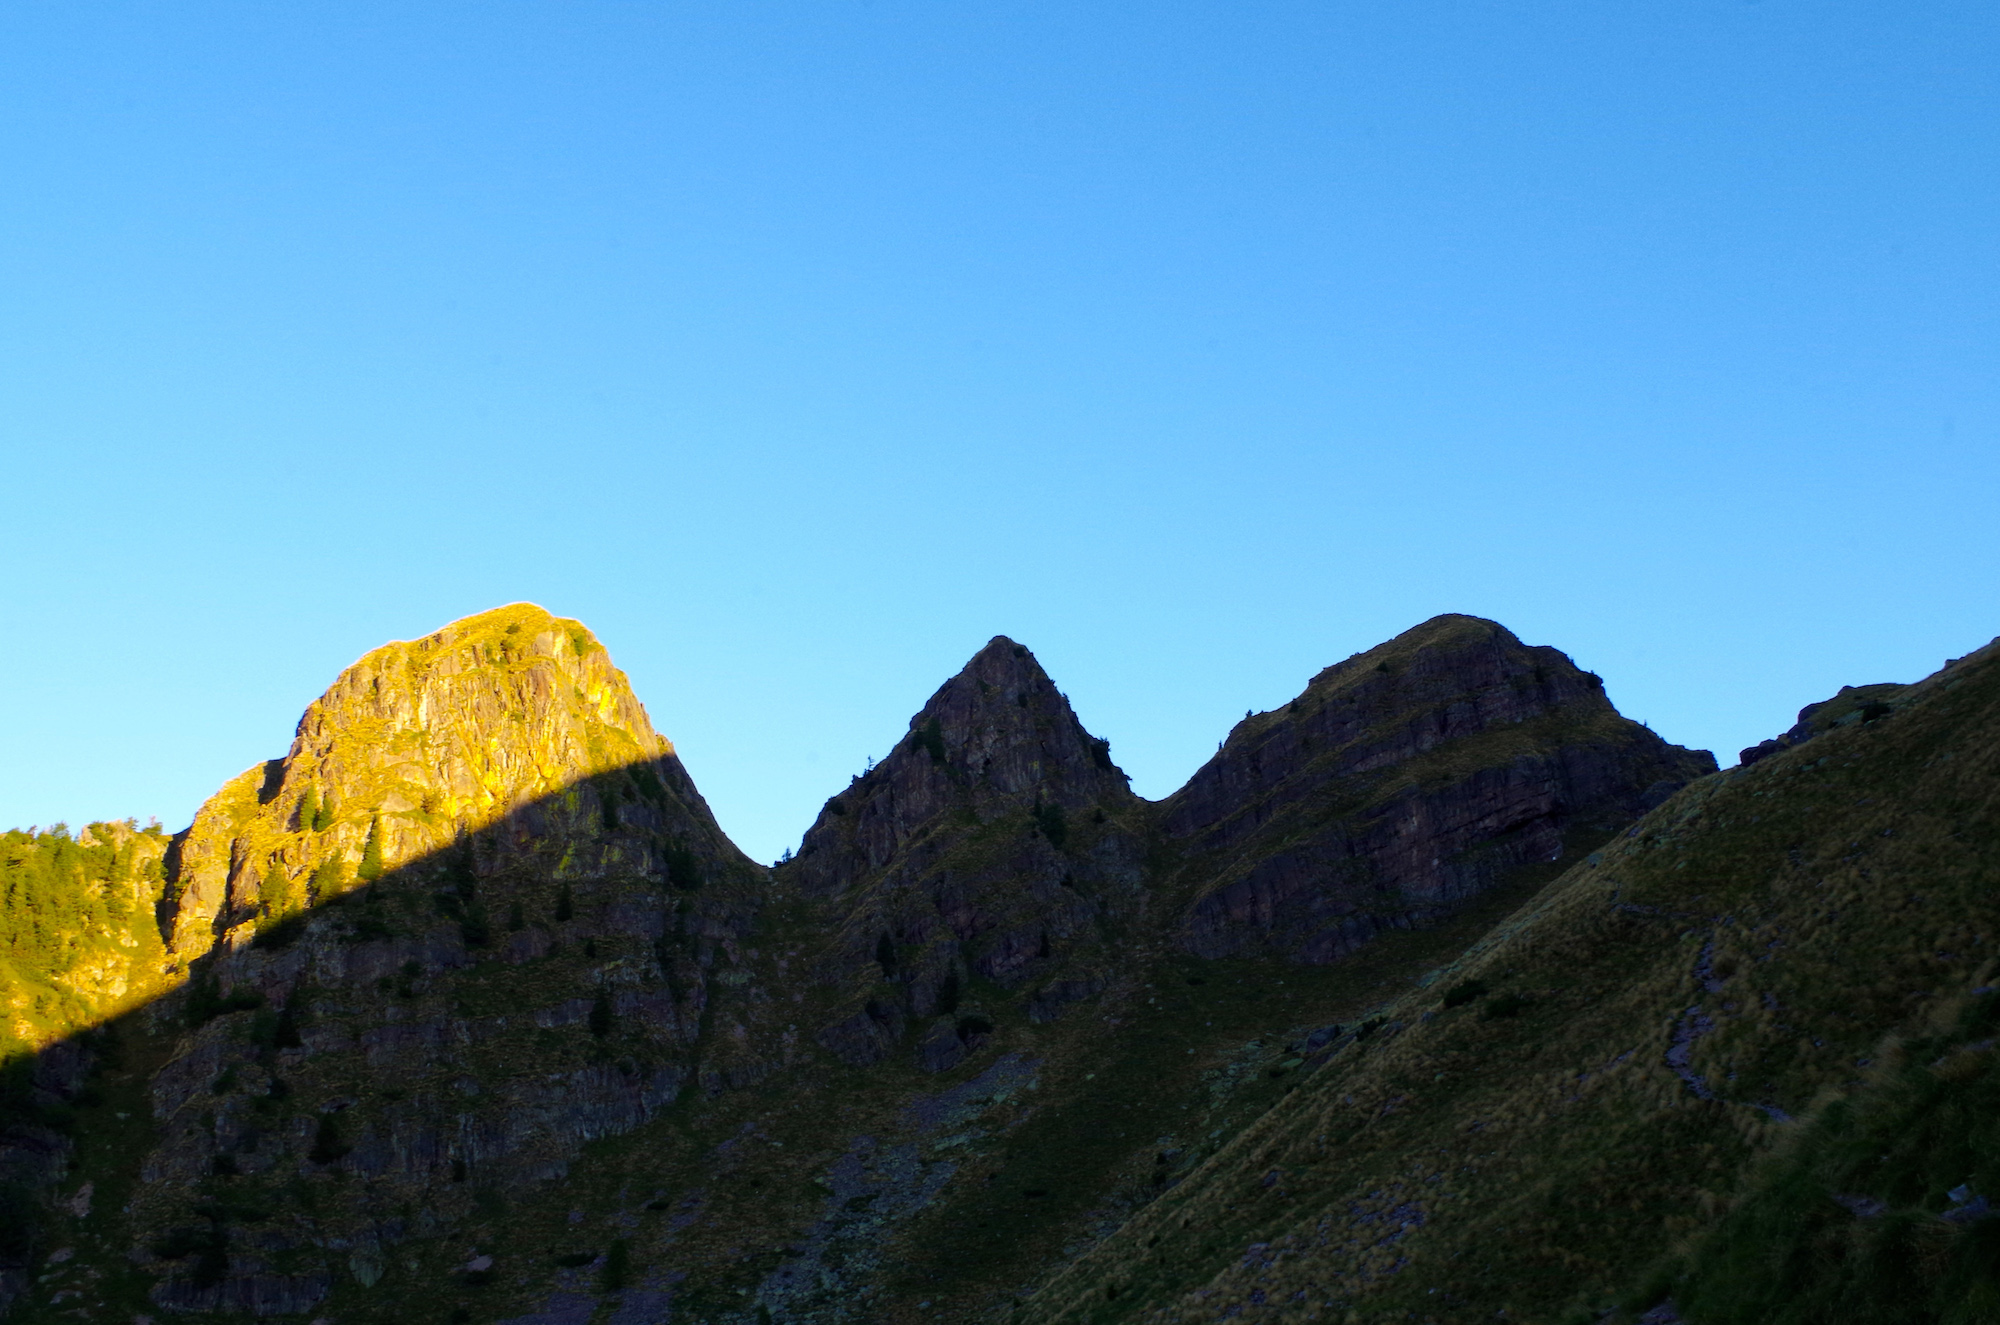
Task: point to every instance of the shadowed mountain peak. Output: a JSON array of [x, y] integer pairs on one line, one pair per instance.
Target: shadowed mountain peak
[[997, 739], [992, 845], [1403, 781]]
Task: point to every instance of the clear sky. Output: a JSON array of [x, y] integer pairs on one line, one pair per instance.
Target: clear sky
[[798, 349]]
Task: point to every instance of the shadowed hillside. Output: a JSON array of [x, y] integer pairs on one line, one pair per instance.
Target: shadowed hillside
[[1736, 1059], [484, 1019]]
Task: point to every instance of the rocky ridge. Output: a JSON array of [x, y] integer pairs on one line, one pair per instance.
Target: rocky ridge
[[472, 969]]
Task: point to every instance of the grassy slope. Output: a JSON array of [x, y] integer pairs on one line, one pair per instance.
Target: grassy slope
[[1778, 923]]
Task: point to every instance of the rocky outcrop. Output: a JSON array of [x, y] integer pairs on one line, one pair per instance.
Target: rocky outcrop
[[513, 725], [1401, 782], [1852, 704], [991, 844], [470, 922]]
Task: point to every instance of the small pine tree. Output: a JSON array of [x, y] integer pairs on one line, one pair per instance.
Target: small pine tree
[[324, 819], [285, 1033], [600, 1015], [330, 879], [617, 1266], [309, 811], [565, 905], [885, 954], [371, 853], [930, 737], [328, 1144], [461, 868], [276, 893], [683, 868], [516, 920], [1053, 823]]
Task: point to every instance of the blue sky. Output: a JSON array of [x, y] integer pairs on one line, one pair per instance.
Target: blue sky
[[799, 349]]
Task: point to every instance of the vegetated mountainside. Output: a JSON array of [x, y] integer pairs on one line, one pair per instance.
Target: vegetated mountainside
[[79, 937], [1733, 1064], [483, 1018], [79, 942]]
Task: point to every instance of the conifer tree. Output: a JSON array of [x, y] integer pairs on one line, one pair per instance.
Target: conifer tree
[[276, 893], [309, 811], [565, 905], [329, 880], [328, 1144], [371, 853]]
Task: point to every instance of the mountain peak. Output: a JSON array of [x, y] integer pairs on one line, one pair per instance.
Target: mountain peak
[[1009, 733], [995, 739], [1428, 740], [416, 744]]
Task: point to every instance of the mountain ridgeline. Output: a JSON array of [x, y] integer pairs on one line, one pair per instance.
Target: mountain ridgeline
[[1440, 992]]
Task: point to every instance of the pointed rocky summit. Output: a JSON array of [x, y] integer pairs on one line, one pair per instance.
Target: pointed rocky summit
[[990, 844]]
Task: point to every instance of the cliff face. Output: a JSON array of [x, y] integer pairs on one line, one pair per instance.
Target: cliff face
[[512, 724], [992, 845], [1402, 782], [475, 915]]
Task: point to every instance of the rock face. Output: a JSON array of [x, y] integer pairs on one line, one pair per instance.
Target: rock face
[[513, 720], [1402, 782], [989, 846], [467, 924]]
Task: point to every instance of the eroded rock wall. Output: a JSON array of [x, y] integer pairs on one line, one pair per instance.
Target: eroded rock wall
[[1401, 782]]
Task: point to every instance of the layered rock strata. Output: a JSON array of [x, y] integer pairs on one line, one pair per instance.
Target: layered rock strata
[[1401, 782]]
